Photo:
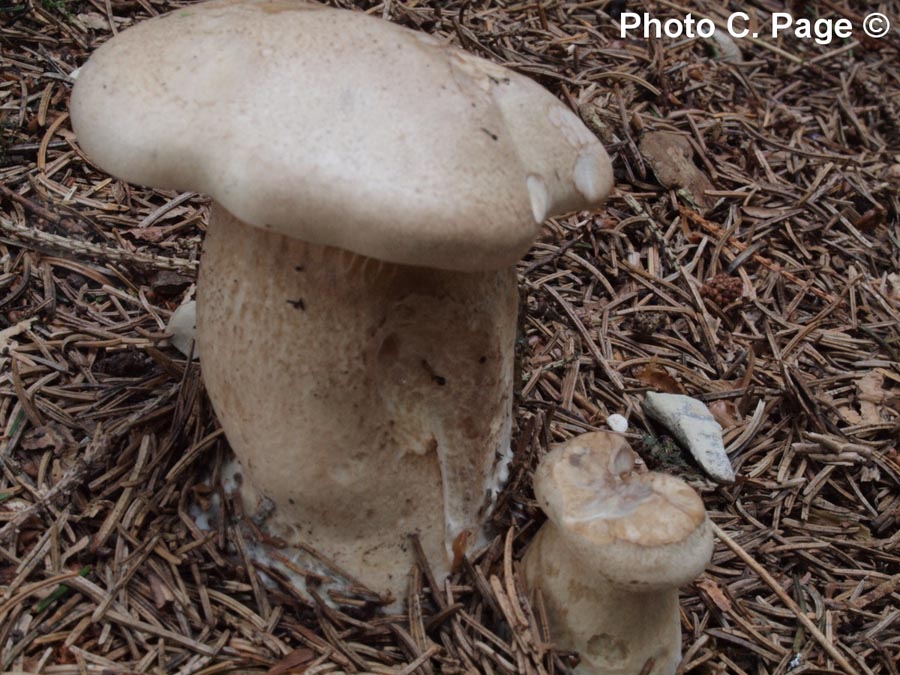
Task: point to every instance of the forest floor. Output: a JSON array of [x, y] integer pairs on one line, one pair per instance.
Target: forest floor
[[749, 257]]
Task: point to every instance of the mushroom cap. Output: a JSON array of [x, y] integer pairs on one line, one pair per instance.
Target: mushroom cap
[[639, 530], [339, 129]]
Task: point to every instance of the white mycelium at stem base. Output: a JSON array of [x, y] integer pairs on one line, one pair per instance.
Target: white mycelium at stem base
[[615, 549], [374, 189], [377, 401]]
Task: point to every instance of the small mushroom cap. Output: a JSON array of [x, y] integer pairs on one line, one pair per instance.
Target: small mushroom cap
[[639, 530], [340, 129]]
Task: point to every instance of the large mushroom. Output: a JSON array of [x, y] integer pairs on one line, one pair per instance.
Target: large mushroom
[[373, 189], [616, 546]]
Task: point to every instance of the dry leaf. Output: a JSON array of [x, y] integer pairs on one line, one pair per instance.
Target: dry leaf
[[161, 593], [169, 283], [671, 156], [93, 20], [848, 414], [871, 395], [719, 386], [871, 399], [658, 378], [890, 288], [715, 593], [12, 331], [725, 412], [95, 507], [52, 436]]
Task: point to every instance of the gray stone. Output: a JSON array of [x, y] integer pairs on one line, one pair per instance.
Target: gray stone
[[691, 423]]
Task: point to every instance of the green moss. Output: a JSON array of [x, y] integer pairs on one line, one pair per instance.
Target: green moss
[[58, 6]]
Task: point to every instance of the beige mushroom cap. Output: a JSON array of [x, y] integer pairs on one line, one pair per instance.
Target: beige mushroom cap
[[640, 530], [340, 129]]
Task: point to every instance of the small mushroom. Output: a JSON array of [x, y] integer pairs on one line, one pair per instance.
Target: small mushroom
[[616, 546], [356, 307]]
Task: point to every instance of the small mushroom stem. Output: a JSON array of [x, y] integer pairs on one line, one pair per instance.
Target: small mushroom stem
[[366, 400], [615, 630]]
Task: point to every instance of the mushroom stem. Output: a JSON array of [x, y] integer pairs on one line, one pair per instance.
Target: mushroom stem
[[616, 631], [366, 400]]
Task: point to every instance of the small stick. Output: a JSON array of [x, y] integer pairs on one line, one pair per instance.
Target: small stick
[[786, 599], [39, 239], [36, 208]]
